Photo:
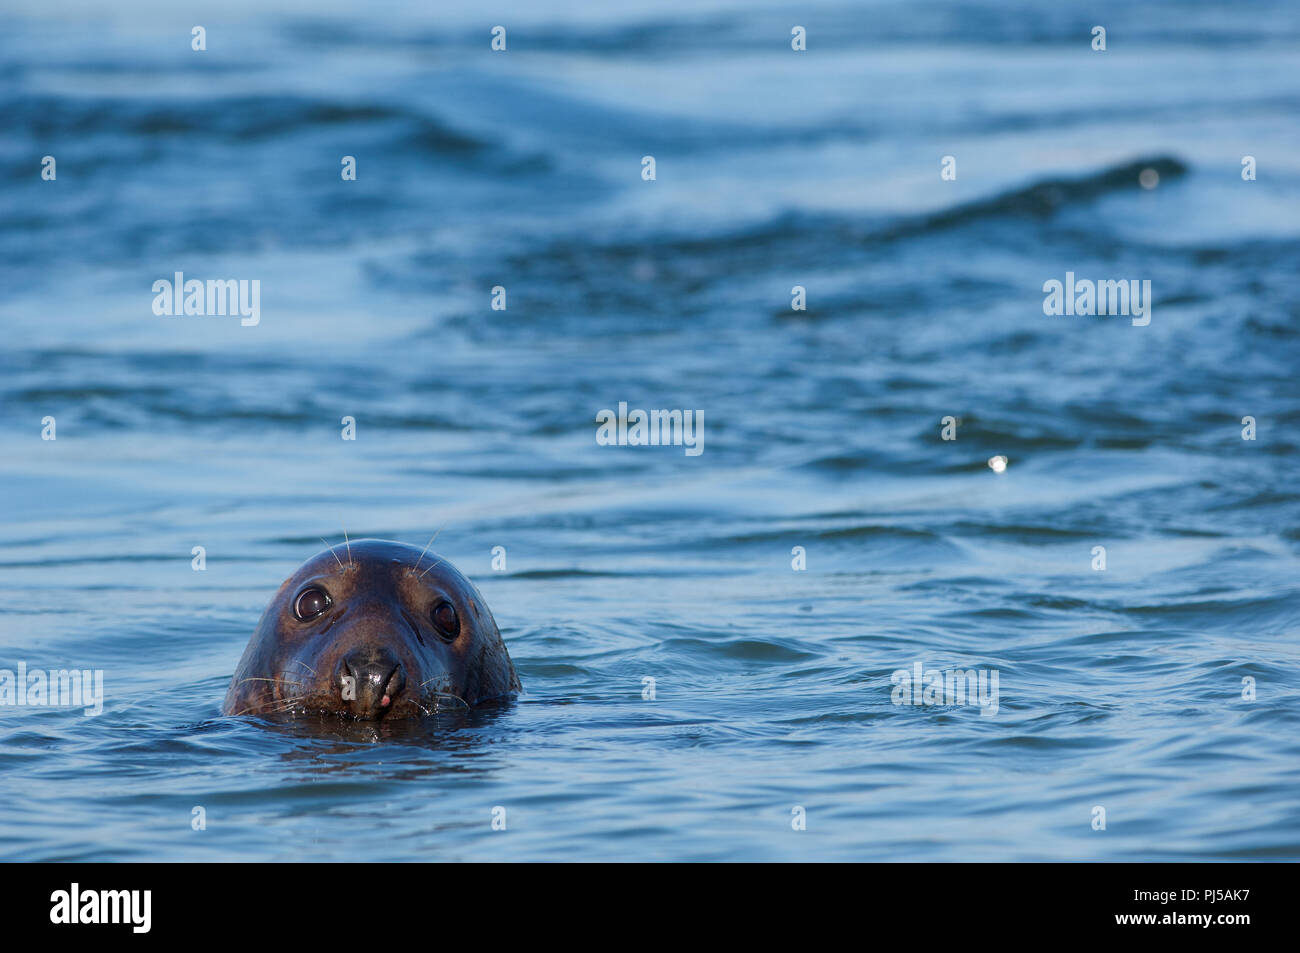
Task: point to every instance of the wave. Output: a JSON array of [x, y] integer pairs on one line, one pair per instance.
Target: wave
[[838, 231], [238, 119]]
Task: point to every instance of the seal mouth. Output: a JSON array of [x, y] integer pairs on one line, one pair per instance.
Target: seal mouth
[[369, 685], [394, 684], [397, 707]]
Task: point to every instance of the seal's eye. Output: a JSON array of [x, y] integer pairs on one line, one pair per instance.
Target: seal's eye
[[445, 621], [310, 603]]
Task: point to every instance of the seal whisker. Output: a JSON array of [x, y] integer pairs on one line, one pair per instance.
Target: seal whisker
[[282, 686], [449, 695], [332, 553], [426, 547], [262, 678], [430, 569], [421, 707], [281, 708], [437, 694]]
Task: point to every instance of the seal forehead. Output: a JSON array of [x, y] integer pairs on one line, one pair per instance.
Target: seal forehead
[[378, 558]]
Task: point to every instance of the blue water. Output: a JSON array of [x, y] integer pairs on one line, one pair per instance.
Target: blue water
[[1120, 688]]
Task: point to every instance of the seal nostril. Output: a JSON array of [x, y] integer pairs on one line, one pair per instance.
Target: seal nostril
[[396, 682]]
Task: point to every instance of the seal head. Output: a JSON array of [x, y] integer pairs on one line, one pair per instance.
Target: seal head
[[376, 630]]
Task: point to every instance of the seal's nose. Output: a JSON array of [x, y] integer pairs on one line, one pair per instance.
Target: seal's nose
[[371, 681]]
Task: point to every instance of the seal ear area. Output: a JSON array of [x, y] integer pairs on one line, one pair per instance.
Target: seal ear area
[[484, 620], [490, 673]]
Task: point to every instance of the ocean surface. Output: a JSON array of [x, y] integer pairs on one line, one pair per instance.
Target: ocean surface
[[1163, 689]]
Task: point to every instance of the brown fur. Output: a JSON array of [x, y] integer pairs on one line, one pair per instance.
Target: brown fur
[[382, 594]]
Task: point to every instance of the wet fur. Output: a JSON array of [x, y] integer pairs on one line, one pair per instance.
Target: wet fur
[[382, 593]]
